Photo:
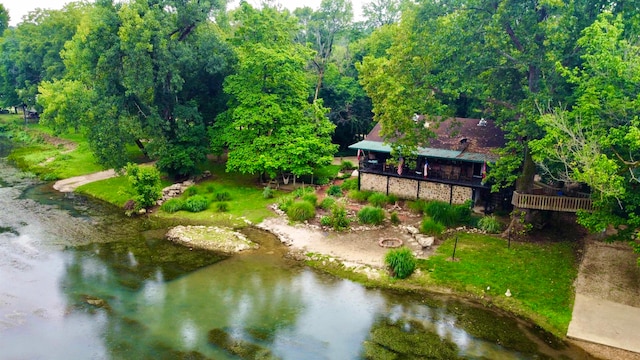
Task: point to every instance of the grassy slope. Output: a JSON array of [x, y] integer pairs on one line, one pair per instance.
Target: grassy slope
[[540, 276]]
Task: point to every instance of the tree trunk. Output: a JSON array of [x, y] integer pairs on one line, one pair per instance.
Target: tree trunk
[[142, 148]]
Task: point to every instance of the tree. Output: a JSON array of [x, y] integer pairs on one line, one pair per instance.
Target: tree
[[381, 12], [31, 52], [597, 140], [270, 126], [4, 19], [151, 74], [322, 29], [145, 182]]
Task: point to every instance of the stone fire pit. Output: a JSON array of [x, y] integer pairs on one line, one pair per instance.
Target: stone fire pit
[[390, 243]]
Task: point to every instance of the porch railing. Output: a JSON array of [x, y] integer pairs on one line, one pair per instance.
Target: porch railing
[[552, 203]]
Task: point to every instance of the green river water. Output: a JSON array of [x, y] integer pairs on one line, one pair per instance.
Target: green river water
[[80, 281]]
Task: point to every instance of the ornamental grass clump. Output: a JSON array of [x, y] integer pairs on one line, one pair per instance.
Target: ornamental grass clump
[[196, 203], [359, 196], [377, 199], [490, 224], [223, 196], [371, 215], [401, 262], [431, 227], [311, 199], [394, 218], [327, 203], [172, 205], [222, 207], [349, 184], [301, 211], [448, 215], [334, 190]]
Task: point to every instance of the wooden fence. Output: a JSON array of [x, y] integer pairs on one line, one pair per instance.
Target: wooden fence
[[552, 203]]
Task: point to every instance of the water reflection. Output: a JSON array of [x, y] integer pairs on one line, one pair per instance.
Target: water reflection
[[129, 294]]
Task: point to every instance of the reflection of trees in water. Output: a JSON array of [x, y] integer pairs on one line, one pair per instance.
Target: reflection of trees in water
[[140, 290]]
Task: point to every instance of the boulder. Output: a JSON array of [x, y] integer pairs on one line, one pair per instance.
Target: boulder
[[425, 241]]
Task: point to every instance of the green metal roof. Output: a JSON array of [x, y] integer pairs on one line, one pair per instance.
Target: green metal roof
[[427, 152]]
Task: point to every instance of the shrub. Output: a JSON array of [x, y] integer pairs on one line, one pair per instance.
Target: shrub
[[394, 218], [448, 215], [196, 203], [327, 203], [350, 184], [377, 199], [490, 224], [339, 219], [401, 262], [431, 227], [346, 165], [223, 196], [311, 199], [301, 191], [284, 202], [301, 211], [267, 192], [325, 221], [172, 205], [322, 181], [191, 190], [50, 177], [222, 207], [417, 206], [371, 215], [146, 185], [360, 196], [334, 190]]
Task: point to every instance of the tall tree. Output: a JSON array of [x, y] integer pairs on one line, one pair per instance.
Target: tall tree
[[4, 19], [323, 28], [31, 52], [596, 141], [270, 126], [149, 72]]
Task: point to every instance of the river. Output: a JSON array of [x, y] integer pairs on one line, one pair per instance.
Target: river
[[80, 281]]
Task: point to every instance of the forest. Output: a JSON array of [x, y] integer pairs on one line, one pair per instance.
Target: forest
[[283, 91]]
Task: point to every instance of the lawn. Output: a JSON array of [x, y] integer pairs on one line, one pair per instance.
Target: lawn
[[539, 275]]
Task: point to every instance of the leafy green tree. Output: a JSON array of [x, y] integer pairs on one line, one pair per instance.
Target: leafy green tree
[[145, 181], [322, 28], [4, 19], [597, 140], [270, 126], [147, 73], [30, 52]]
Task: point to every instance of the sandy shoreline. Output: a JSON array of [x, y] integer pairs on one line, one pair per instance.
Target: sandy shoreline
[[354, 247]]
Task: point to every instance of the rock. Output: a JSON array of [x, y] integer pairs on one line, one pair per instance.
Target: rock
[[425, 241], [142, 211], [508, 293], [210, 238], [412, 230]]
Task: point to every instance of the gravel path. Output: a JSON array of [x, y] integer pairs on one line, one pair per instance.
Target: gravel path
[[70, 184]]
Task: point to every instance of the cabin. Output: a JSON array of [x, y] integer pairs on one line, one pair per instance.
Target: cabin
[[452, 168]]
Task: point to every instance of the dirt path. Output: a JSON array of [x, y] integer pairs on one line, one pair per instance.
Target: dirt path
[[70, 184]]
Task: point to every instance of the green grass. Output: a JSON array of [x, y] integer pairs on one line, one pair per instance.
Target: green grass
[[115, 190], [539, 275]]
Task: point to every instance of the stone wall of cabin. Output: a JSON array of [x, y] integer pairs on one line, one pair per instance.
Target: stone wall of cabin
[[408, 188], [403, 188], [373, 182]]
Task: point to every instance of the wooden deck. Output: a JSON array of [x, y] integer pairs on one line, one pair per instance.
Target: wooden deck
[[552, 203]]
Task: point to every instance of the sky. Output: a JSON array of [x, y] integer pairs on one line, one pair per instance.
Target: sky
[[18, 8]]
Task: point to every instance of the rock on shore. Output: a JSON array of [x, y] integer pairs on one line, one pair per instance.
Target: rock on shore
[[210, 238]]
